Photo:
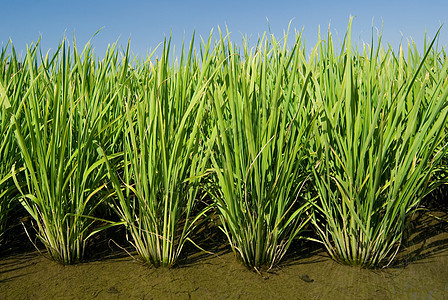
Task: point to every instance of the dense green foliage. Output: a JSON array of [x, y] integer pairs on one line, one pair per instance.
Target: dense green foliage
[[380, 125], [347, 144], [261, 113], [163, 159]]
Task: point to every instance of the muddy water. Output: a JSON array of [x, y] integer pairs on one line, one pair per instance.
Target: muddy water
[[421, 271]]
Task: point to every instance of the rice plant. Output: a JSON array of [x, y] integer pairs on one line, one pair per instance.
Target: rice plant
[[259, 147], [163, 159], [380, 120], [59, 141]]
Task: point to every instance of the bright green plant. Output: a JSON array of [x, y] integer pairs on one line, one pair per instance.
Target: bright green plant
[[375, 139], [259, 148], [59, 143], [163, 159]]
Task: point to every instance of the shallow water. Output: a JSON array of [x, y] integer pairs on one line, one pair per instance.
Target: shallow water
[[421, 271]]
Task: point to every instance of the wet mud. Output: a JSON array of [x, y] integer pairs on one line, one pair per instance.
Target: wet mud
[[420, 271]]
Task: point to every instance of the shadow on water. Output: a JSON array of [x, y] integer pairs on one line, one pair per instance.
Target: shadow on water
[[302, 251], [18, 241], [427, 235], [210, 242], [109, 244], [16, 268]]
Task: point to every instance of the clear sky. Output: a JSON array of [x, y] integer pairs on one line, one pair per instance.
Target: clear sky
[[146, 23]]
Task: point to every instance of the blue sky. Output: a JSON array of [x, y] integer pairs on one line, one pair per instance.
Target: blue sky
[[146, 23]]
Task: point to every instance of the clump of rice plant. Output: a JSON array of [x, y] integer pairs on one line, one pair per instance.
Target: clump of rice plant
[[164, 158], [380, 120], [259, 147], [59, 143]]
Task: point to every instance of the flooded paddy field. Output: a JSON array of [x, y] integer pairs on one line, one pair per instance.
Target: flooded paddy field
[[420, 271]]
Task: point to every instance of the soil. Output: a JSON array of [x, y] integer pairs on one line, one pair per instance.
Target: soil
[[420, 271]]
